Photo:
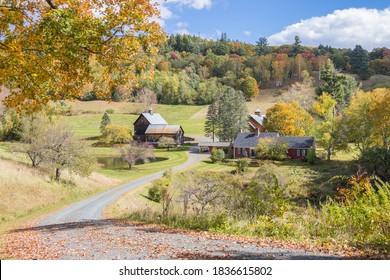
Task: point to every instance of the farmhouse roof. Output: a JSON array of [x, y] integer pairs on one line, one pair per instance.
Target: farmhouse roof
[[154, 118], [252, 139], [163, 129], [298, 142]]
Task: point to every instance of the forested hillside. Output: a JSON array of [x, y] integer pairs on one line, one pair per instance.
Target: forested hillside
[[190, 69]]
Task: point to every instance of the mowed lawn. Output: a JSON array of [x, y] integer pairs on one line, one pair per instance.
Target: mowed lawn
[[86, 124]]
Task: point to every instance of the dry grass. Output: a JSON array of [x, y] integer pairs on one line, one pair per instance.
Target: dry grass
[[25, 191]]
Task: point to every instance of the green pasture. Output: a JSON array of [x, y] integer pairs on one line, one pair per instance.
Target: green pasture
[[86, 123]]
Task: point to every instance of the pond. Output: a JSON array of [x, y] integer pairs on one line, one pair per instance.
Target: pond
[[117, 163]]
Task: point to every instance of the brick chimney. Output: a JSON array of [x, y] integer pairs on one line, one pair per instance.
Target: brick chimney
[[258, 112], [150, 111]]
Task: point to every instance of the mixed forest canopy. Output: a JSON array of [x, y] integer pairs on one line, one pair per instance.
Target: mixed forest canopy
[[190, 69]]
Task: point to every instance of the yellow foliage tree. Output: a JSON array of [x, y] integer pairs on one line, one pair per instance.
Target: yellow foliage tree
[[368, 118], [288, 119], [50, 49]]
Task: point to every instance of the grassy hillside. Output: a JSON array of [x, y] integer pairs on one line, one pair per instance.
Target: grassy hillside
[[26, 192], [88, 115]]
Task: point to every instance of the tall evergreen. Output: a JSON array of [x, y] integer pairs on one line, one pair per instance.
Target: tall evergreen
[[227, 115], [105, 121], [359, 63], [212, 119], [339, 86], [262, 47]]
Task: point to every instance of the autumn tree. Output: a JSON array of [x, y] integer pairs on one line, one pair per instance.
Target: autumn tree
[[33, 137], [115, 134], [280, 69], [136, 152], [288, 119], [302, 92], [48, 46], [63, 151], [249, 87], [331, 130], [368, 119], [145, 97]]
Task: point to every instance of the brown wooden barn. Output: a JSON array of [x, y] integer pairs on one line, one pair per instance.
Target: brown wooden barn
[[150, 127]]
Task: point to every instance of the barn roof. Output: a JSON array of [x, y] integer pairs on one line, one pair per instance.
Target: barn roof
[[163, 129], [154, 118], [252, 139]]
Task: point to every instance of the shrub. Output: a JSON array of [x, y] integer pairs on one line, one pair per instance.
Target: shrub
[[115, 134], [311, 156], [154, 193], [166, 142], [272, 148], [376, 160], [363, 216], [217, 155], [242, 165]]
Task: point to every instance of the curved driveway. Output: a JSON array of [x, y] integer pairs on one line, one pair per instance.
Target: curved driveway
[[92, 208]]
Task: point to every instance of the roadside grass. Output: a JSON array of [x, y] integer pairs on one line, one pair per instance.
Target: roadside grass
[[26, 192]]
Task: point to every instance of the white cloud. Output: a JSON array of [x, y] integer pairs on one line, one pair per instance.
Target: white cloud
[[182, 28], [196, 4], [369, 28], [166, 13], [247, 33]]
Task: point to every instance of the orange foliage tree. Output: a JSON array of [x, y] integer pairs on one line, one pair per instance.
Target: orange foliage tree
[[50, 49]]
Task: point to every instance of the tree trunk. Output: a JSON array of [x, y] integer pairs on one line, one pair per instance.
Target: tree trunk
[[129, 166], [329, 153], [58, 174]]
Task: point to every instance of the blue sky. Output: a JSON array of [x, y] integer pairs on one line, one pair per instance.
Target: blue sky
[[339, 23]]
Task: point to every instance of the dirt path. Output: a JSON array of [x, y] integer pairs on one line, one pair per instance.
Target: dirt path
[[80, 232]]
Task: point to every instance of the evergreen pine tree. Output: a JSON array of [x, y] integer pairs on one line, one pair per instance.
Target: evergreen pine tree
[[212, 119], [360, 63], [105, 121]]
